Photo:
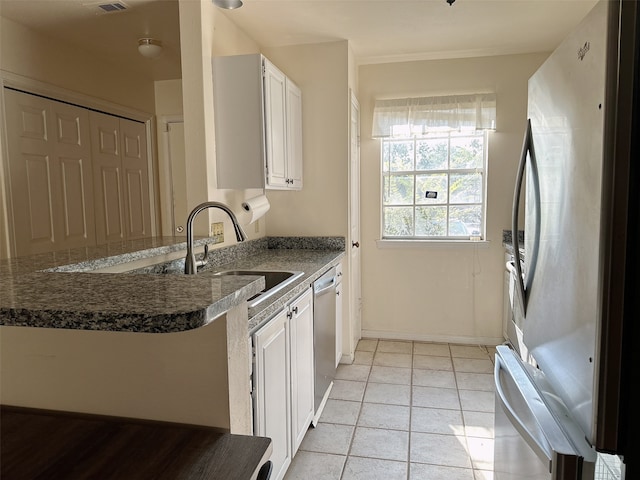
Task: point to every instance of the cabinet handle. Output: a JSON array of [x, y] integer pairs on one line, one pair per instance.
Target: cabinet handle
[[289, 315], [295, 310], [356, 244]]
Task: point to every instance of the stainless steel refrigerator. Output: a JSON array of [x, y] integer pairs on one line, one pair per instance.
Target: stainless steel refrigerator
[[577, 287]]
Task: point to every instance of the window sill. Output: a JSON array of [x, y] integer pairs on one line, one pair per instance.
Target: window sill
[[397, 243]]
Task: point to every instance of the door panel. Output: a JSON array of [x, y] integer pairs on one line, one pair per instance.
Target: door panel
[[178, 177], [29, 172], [50, 176], [37, 173], [136, 179], [110, 214], [72, 152], [75, 208], [275, 125], [294, 134], [302, 367], [355, 293], [107, 168], [272, 396]]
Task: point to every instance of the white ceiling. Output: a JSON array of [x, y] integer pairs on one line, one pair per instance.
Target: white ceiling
[[378, 30]]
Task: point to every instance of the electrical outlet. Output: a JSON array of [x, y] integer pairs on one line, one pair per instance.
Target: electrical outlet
[[217, 232]]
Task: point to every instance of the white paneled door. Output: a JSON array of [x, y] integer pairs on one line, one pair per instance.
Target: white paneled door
[[137, 208], [355, 293], [50, 173], [77, 177], [119, 152]]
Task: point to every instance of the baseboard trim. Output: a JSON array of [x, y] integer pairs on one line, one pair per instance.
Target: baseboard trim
[[463, 340]]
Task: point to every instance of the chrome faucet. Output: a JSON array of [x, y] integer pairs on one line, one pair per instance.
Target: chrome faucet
[[190, 266]]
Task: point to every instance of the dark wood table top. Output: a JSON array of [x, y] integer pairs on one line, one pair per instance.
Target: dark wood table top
[[37, 444]]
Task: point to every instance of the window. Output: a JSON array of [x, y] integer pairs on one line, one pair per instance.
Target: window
[[434, 158], [433, 185]]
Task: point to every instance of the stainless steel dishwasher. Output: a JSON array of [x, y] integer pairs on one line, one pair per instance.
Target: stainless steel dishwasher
[[324, 333]]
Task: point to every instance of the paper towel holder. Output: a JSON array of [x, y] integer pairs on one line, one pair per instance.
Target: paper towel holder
[[256, 206]]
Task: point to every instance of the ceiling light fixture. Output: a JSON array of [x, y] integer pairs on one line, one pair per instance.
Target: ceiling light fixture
[[450, 2], [149, 47], [228, 4]]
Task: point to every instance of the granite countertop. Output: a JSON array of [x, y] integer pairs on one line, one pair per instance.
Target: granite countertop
[[59, 290], [507, 241]]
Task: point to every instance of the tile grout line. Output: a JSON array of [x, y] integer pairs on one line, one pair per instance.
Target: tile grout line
[[353, 434], [464, 426], [410, 412]]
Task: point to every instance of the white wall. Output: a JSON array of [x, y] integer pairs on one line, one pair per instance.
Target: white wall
[[30, 54], [205, 32], [320, 208], [448, 293]]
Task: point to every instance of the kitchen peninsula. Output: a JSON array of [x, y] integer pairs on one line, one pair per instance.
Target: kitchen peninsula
[[164, 347]]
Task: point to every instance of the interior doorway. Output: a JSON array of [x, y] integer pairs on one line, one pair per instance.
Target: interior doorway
[[353, 242]]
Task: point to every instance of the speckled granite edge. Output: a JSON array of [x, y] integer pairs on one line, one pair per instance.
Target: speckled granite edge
[[131, 322], [307, 243], [117, 302], [61, 302], [94, 264], [507, 241], [507, 237]]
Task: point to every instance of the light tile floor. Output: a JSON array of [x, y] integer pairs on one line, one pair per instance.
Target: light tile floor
[[407, 411]]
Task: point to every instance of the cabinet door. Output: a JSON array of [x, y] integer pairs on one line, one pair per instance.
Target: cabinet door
[[302, 378], [294, 136], [272, 377], [275, 126]]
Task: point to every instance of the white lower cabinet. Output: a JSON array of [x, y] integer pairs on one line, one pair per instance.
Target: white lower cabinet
[[283, 380]]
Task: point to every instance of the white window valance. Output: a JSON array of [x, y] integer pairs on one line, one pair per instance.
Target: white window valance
[[418, 115]]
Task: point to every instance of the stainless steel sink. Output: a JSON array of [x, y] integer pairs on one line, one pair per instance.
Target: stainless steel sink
[[275, 280]]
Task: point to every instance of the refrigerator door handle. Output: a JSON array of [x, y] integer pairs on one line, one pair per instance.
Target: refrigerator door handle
[[527, 149], [515, 214], [543, 451]]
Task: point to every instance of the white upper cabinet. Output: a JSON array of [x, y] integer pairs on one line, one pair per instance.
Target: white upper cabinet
[[294, 136], [258, 124]]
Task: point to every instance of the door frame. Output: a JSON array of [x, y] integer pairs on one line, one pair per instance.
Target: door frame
[[43, 89], [355, 276], [168, 221]]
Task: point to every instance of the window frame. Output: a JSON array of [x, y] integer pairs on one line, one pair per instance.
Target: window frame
[[417, 239]]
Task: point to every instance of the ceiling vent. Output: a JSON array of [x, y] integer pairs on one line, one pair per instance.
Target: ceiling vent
[[106, 7]]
